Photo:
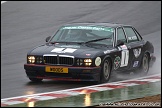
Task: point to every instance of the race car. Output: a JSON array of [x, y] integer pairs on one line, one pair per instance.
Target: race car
[[90, 52]]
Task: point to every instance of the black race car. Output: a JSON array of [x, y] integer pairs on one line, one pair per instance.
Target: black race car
[[90, 52]]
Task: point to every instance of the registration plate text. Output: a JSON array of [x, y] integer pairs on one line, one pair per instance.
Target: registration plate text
[[56, 69]]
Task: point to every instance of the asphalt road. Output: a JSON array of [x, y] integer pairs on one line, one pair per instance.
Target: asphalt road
[[26, 24]]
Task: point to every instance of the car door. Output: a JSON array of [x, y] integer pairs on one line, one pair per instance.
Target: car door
[[135, 46], [122, 49]]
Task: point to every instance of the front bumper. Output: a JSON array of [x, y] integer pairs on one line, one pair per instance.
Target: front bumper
[[74, 73]]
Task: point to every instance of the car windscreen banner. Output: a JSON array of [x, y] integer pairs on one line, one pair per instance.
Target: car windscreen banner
[[89, 28]]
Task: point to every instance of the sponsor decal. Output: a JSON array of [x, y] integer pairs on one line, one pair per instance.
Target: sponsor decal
[[135, 63], [97, 61], [132, 38], [63, 50], [117, 62], [123, 47], [119, 48], [137, 52], [108, 51], [89, 28]]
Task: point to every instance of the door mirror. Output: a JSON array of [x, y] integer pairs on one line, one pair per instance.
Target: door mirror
[[48, 38], [119, 43]]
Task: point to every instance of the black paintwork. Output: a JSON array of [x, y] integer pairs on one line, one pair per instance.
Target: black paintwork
[[95, 50]]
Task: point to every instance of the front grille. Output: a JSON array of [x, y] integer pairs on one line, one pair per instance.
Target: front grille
[[50, 59], [65, 60], [58, 59]]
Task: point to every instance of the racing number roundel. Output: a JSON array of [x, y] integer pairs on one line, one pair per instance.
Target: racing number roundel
[[117, 62]]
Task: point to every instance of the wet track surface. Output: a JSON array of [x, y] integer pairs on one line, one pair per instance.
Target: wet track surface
[[25, 25]]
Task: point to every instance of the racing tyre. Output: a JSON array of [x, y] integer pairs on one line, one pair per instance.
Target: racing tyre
[[106, 71], [144, 68], [35, 79]]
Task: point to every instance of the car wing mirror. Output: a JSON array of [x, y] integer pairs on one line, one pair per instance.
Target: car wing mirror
[[119, 43], [48, 38]]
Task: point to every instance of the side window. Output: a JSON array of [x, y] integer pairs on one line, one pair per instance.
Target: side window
[[138, 35], [121, 35], [130, 34]]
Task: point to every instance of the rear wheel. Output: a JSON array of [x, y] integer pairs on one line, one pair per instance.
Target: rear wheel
[[106, 71], [144, 65], [35, 79]]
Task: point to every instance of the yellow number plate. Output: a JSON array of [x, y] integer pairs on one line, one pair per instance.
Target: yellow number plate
[[56, 69]]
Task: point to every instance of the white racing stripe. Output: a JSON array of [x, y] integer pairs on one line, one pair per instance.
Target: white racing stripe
[[3, 2]]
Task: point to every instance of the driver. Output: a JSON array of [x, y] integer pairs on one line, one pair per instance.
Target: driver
[[75, 34]]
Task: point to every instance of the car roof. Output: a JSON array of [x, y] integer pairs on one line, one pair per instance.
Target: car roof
[[104, 24]]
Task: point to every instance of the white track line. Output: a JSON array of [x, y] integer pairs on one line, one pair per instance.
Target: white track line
[[3, 2], [79, 87]]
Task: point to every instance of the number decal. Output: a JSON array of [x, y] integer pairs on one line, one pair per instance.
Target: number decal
[[124, 58], [124, 55]]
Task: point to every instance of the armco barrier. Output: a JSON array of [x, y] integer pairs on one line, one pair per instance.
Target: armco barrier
[[90, 95]]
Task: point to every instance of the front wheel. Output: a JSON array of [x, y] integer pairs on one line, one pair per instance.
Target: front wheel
[[106, 71], [35, 79], [144, 68]]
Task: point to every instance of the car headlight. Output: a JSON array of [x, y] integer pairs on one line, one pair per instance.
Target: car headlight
[[31, 59], [39, 59], [79, 62], [87, 62]]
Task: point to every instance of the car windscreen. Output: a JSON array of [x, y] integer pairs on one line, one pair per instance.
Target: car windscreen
[[84, 34]]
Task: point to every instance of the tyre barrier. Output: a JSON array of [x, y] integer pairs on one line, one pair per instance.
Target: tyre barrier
[[90, 95]]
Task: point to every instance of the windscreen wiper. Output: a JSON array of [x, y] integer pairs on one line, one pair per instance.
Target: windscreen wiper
[[96, 40], [66, 42], [56, 42]]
